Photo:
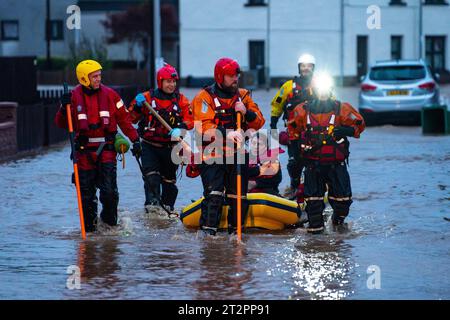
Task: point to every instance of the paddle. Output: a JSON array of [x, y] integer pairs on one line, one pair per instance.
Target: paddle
[[75, 165], [239, 178], [166, 125]]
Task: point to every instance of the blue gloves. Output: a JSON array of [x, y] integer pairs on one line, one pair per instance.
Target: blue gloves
[[140, 100], [175, 133]]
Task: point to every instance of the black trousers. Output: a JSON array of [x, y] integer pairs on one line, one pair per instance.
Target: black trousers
[[295, 164], [159, 175], [317, 178], [104, 178], [220, 179]]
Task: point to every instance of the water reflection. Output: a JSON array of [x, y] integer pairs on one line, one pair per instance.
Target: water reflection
[[98, 262], [322, 267], [222, 271]]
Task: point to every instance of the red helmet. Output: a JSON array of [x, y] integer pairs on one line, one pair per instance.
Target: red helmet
[[225, 66], [166, 72]]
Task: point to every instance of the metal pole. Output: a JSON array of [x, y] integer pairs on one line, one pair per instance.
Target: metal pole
[[268, 47], [157, 34], [151, 48], [48, 33], [420, 30], [341, 64]]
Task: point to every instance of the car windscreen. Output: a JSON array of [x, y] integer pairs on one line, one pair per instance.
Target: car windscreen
[[397, 73]]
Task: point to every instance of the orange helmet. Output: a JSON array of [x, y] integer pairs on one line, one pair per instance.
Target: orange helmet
[[225, 66], [166, 72]]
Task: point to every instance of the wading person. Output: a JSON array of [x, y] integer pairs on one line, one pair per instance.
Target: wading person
[[216, 108], [96, 111], [157, 141], [291, 93], [324, 125]]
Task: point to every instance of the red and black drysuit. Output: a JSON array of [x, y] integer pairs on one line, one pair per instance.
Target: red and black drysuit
[[96, 115], [159, 169]]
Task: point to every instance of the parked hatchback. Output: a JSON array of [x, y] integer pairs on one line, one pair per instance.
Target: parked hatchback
[[395, 91]]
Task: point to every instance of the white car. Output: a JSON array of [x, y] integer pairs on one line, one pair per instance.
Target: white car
[[395, 91]]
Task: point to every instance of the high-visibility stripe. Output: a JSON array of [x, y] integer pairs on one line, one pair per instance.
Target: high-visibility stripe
[[119, 104], [332, 119], [95, 140], [217, 193], [314, 198], [82, 116], [233, 196], [216, 102], [152, 173], [104, 113], [340, 199]]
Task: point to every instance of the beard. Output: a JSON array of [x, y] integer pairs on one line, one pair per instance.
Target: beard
[[233, 88]]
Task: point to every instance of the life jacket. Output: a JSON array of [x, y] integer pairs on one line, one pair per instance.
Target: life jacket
[[298, 95], [225, 114], [151, 128], [318, 142], [105, 105]]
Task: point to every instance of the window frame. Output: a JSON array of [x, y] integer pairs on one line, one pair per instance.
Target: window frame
[[255, 3], [58, 36], [400, 48], [431, 53], [4, 37]]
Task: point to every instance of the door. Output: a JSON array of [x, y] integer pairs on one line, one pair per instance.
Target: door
[[361, 55], [256, 50], [435, 52]]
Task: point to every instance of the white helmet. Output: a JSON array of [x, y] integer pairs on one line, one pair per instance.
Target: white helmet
[[307, 58]]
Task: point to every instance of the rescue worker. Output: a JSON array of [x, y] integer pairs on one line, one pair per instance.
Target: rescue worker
[[157, 142], [96, 110], [324, 125], [292, 93], [216, 108]]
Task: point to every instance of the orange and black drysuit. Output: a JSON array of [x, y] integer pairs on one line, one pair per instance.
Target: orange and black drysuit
[[292, 93], [96, 115], [215, 108], [159, 169], [323, 128]]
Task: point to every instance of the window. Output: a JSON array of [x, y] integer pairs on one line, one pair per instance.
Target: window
[[435, 52], [397, 3], [10, 30], [396, 47], [256, 3], [56, 30], [396, 73], [439, 2]]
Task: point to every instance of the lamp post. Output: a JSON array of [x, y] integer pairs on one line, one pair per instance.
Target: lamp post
[[267, 71]]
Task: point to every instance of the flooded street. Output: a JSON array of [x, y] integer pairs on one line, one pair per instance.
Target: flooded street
[[401, 189]]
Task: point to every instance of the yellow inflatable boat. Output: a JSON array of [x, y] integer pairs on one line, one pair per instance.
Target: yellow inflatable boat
[[266, 211]]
